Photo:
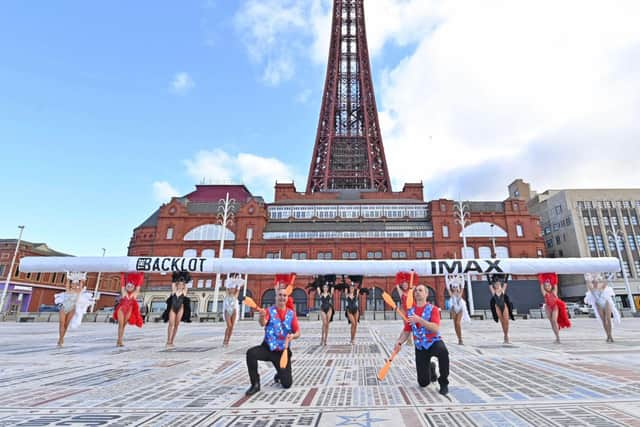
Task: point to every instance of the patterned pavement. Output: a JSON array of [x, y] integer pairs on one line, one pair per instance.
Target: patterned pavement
[[532, 382]]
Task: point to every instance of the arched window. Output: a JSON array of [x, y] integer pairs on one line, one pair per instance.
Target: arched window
[[268, 298], [374, 299], [300, 301], [483, 229], [209, 232], [502, 252], [209, 253]]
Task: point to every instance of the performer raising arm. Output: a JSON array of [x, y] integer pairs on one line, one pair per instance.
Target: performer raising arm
[[178, 305], [73, 303], [128, 310], [501, 306], [556, 308], [600, 296], [458, 312]]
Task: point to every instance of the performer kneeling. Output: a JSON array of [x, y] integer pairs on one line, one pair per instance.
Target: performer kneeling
[[600, 296], [281, 326], [73, 304], [556, 308], [458, 312], [424, 325], [501, 306], [128, 310], [178, 305]]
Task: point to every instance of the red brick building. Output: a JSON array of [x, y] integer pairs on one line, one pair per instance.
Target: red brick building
[[28, 291], [349, 225]]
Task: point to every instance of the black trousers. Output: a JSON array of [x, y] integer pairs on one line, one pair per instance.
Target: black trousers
[[262, 352], [423, 363]]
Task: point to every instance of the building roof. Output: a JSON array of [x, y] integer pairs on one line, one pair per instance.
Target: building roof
[[39, 248], [348, 226], [152, 221], [213, 193]]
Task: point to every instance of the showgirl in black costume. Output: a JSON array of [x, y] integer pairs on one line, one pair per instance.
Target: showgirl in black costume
[[324, 286], [501, 306], [178, 305], [353, 289]]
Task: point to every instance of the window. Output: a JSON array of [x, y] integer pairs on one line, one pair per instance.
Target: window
[[423, 254], [398, 254], [625, 265], [599, 243], [547, 230], [169, 233], [556, 226], [605, 220], [607, 204], [519, 231], [634, 220], [324, 255], [632, 243], [207, 284], [208, 253], [557, 240], [560, 253], [637, 264], [349, 255], [567, 221], [299, 255], [374, 254], [626, 204], [53, 278], [539, 252], [2, 266], [585, 220], [594, 220], [38, 275], [515, 206], [590, 243], [549, 243], [190, 253], [625, 220], [445, 231], [614, 220], [273, 255], [200, 283], [558, 210]]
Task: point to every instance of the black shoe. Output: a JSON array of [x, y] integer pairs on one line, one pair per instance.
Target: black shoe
[[434, 376], [276, 379], [252, 390], [444, 389]]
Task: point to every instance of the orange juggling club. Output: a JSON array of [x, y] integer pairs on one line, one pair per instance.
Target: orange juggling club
[[389, 300], [410, 291], [385, 368], [284, 359]]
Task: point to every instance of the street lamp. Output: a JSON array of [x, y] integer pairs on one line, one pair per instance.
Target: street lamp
[[615, 235], [13, 261], [95, 291], [461, 214], [246, 275], [225, 217]]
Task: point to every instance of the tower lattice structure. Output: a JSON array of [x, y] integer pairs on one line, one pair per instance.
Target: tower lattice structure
[[348, 152]]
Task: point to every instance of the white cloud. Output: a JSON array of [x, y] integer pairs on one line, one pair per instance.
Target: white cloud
[[258, 173], [486, 91], [182, 83], [163, 191]]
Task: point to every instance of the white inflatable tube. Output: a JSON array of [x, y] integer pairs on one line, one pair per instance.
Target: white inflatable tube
[[523, 266]]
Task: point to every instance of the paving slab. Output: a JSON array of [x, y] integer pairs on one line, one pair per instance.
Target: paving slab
[[532, 382]]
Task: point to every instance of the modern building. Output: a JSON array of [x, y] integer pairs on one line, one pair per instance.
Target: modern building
[[27, 292], [587, 223], [347, 211]]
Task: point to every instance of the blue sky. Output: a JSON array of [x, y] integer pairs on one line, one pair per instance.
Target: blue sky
[[107, 109]]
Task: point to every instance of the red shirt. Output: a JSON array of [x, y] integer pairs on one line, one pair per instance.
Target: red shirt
[[281, 314], [434, 318]]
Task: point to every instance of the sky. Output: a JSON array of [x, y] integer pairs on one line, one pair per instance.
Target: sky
[[107, 110]]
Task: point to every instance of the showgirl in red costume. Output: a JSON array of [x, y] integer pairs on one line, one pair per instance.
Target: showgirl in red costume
[[556, 308], [128, 310]]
